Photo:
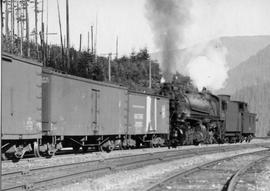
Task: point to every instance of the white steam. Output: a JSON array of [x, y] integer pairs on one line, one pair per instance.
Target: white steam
[[207, 66]]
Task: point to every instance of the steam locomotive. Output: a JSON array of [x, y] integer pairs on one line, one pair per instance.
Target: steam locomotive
[[202, 117], [45, 110]]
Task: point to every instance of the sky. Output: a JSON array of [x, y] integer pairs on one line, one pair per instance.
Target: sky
[[126, 19]]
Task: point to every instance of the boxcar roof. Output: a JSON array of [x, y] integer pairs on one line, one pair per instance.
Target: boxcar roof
[[68, 76], [10, 57]]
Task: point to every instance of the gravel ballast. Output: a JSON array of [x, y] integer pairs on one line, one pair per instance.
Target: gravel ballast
[[138, 179], [75, 158]]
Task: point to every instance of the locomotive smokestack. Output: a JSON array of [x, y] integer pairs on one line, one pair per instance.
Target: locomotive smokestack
[[167, 19]]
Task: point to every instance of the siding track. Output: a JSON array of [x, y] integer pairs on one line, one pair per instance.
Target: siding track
[[40, 178], [222, 174]]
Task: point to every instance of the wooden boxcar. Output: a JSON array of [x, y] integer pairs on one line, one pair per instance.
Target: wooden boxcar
[[148, 118], [82, 113], [21, 104]]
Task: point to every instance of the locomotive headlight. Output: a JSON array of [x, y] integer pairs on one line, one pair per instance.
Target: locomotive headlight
[[187, 113]]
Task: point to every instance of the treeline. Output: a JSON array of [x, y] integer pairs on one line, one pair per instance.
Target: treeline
[[131, 71]]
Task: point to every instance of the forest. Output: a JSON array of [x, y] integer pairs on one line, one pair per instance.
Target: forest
[[131, 71]]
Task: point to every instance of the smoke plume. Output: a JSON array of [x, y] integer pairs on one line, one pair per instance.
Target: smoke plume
[[207, 66], [167, 19]]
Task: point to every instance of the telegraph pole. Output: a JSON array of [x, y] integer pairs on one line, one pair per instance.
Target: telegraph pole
[[1, 97], [47, 21], [61, 38], [6, 19], [150, 74], [36, 29], [12, 26], [22, 27], [92, 40], [27, 28], [43, 36], [116, 48], [88, 41], [109, 66], [80, 49], [67, 17], [17, 18], [95, 49]]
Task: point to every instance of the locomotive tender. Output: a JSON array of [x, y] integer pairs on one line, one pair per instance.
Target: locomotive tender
[[45, 110]]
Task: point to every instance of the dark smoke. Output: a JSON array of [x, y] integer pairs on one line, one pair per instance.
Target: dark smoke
[[167, 19]]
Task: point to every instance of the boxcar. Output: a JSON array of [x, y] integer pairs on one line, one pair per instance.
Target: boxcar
[[83, 113], [148, 118], [21, 105]]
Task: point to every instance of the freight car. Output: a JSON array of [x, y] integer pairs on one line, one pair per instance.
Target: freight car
[[78, 112], [45, 110], [148, 119], [21, 105], [83, 113]]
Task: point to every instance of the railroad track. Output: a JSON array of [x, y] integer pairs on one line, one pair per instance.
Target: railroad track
[[241, 177], [49, 176], [222, 174]]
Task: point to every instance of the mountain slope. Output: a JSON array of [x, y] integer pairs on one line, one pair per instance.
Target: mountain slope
[[239, 48], [252, 72]]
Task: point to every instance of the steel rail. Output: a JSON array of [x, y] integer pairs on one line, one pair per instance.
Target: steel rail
[[232, 182], [108, 164], [69, 154], [169, 153], [180, 174]]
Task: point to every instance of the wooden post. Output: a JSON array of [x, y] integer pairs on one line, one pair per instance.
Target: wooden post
[[67, 17]]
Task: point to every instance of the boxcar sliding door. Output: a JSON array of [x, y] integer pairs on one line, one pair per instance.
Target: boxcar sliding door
[[95, 96]]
